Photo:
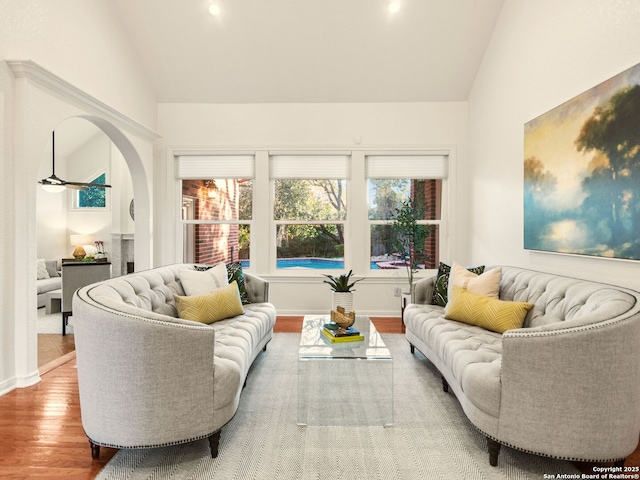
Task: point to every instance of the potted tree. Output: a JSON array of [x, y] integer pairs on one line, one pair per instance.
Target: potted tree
[[410, 238], [342, 287]]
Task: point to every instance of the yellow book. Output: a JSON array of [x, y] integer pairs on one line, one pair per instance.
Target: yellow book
[[348, 338]]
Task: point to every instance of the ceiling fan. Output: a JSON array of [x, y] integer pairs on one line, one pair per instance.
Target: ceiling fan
[[55, 184]]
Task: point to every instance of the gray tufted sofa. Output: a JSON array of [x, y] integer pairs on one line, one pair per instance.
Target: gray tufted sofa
[[46, 285], [150, 379], [566, 385]]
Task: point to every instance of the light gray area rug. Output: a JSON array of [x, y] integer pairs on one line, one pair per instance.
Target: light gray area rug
[[431, 437], [52, 323]]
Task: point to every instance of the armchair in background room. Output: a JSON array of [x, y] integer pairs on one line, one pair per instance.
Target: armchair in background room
[[76, 275]]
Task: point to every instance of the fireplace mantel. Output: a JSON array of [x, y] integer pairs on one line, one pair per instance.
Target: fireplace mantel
[[121, 253]]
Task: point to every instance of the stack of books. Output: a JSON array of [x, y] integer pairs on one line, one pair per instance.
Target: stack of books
[[335, 334]]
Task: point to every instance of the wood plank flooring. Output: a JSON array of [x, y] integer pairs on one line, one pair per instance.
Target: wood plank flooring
[[42, 435], [53, 346], [41, 430]]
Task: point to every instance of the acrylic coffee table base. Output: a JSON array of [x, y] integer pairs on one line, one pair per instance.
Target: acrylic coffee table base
[[346, 384]]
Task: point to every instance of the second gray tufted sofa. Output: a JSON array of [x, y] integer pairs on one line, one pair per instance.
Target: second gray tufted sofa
[[566, 385]]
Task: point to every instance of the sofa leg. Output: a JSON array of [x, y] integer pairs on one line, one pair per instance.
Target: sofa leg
[[445, 385], [494, 450], [214, 443], [95, 450], [65, 321], [413, 348]]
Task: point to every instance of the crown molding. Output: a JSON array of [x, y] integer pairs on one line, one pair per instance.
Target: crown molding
[[44, 78]]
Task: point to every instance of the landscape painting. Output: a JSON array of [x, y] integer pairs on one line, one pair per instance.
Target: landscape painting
[[582, 173]]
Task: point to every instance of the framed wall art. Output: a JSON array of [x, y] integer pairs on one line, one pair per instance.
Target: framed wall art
[[582, 173]]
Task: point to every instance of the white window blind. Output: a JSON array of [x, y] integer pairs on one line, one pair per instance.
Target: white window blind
[[326, 167], [216, 166], [407, 166]]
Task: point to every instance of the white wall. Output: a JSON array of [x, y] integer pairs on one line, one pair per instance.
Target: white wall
[[84, 165], [304, 125], [36, 112], [84, 47], [56, 216], [7, 266], [52, 209], [82, 42], [541, 54]]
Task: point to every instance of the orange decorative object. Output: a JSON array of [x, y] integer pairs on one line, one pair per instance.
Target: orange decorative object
[[342, 319]]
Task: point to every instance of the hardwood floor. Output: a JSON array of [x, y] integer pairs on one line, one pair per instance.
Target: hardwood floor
[[383, 324], [42, 435], [53, 346]]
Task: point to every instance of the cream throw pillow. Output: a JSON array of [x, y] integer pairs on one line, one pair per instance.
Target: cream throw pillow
[[496, 315], [195, 282], [41, 269], [217, 305], [486, 284]]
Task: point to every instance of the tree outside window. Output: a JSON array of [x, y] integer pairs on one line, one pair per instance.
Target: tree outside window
[[94, 197], [310, 217], [386, 198]]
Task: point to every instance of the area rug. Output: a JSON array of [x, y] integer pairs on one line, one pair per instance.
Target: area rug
[[52, 323], [430, 438]]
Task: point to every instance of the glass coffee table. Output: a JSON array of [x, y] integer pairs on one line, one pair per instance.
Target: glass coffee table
[[348, 383]]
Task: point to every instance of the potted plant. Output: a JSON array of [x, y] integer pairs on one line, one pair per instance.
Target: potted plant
[[342, 287], [410, 237]]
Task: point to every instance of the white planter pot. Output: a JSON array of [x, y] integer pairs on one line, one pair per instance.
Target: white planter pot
[[342, 299]]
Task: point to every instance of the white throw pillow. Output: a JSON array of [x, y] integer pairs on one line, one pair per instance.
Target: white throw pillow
[[41, 268], [487, 284], [195, 282]]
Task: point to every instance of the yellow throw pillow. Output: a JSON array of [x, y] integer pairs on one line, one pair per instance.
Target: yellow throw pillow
[[487, 284], [496, 315], [218, 305]]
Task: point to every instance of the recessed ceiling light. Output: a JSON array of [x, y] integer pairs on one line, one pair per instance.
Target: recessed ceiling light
[[394, 7], [214, 10]]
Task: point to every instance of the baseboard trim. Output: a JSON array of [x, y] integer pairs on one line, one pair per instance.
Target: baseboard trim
[[19, 382], [7, 386]]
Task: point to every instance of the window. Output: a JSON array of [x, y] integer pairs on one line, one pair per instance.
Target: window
[[217, 208], [392, 180], [310, 210], [92, 197]]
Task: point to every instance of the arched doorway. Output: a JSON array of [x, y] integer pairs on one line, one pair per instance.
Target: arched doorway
[[86, 146], [35, 102]]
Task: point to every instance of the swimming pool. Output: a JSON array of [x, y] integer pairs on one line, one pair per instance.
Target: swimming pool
[[310, 263], [317, 263]]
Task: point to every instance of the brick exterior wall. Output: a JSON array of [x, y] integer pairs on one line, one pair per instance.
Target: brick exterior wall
[[214, 243], [428, 192]]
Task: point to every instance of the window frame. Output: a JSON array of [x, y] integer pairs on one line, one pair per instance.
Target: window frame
[[357, 244], [210, 171], [442, 223], [315, 165]]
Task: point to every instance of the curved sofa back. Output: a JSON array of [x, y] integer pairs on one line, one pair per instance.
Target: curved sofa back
[[149, 290], [557, 298], [150, 293]]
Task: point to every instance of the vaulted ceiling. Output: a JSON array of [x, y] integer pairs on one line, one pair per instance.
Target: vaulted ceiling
[[283, 51]]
